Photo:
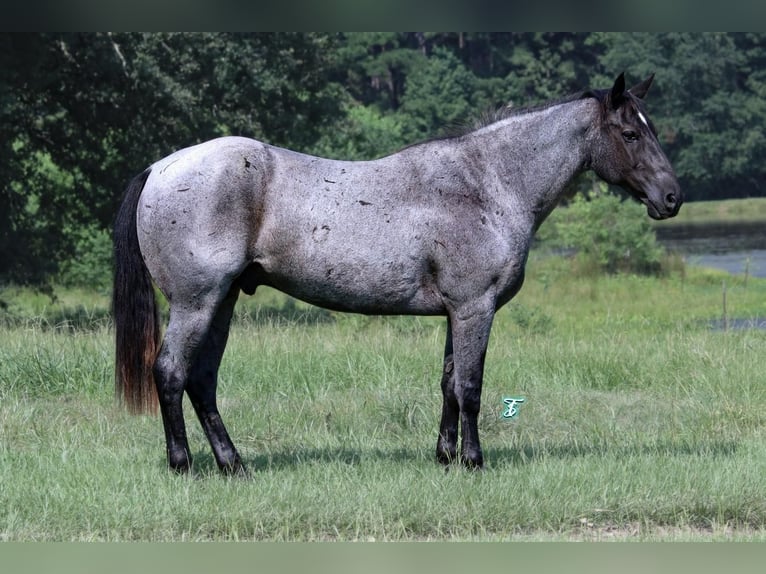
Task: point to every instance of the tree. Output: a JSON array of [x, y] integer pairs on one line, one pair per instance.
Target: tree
[[364, 133], [708, 104], [437, 94], [82, 113]]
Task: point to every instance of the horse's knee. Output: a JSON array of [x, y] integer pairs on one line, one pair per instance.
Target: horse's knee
[[448, 379]]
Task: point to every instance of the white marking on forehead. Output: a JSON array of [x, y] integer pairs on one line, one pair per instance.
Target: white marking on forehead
[[643, 119]]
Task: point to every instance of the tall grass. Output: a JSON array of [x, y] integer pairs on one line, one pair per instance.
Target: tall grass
[[640, 422]]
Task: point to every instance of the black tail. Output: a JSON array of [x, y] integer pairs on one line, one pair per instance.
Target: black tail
[[137, 327]]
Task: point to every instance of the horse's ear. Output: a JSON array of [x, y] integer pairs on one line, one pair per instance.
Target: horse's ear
[[617, 95], [640, 90]]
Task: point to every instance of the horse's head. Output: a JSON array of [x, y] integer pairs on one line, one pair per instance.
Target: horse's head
[[628, 154]]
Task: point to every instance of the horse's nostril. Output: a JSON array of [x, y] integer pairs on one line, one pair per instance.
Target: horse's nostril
[[670, 199]]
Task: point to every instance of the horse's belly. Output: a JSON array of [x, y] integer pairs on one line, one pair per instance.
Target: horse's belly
[[387, 290]]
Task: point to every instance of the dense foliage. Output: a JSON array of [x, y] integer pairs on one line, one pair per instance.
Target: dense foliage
[[606, 233], [81, 113]]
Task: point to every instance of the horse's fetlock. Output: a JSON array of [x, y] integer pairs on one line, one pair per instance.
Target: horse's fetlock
[[180, 463]]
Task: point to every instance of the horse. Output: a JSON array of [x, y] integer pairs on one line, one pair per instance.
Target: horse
[[442, 227]]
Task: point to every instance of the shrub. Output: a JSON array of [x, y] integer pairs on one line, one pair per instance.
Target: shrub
[[91, 265], [606, 233]]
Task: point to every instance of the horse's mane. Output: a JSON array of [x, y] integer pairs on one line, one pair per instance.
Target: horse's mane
[[494, 115]]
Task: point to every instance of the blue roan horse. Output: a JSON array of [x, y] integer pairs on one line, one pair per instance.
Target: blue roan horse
[[439, 228]]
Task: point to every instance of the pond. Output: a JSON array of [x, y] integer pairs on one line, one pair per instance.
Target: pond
[[738, 248]]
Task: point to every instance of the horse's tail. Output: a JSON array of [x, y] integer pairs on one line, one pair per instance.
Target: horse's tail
[[136, 323]]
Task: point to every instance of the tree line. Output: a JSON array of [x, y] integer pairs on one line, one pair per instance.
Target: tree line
[[81, 113]]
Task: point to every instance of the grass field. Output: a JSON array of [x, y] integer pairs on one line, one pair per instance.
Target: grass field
[[640, 422]]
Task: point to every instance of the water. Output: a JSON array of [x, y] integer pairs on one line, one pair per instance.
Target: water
[[737, 248], [751, 263]]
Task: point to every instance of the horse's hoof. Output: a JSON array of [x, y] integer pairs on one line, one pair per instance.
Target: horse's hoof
[[473, 462], [236, 469], [445, 457]]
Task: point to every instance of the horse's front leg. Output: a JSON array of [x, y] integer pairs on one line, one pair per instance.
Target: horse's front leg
[[470, 335]]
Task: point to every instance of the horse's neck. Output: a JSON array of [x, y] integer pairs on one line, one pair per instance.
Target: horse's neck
[[535, 156]]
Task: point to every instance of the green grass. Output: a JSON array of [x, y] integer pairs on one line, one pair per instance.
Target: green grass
[[640, 422]]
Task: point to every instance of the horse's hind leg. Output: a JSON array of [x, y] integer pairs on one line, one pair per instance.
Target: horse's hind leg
[[446, 445], [186, 333], [203, 382]]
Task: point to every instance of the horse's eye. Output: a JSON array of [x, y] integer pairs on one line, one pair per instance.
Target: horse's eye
[[630, 136]]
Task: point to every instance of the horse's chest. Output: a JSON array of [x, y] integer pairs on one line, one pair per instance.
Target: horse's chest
[[512, 287]]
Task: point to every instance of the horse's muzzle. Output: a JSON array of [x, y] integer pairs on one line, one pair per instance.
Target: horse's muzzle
[[664, 201]]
